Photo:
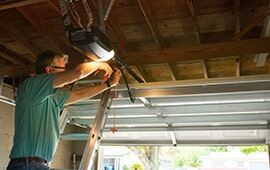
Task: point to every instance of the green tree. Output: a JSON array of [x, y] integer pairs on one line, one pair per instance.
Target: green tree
[[125, 167], [217, 149], [148, 155], [251, 149], [136, 166], [190, 157]]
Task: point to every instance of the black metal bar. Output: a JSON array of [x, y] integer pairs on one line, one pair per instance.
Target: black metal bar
[[122, 64], [128, 89]]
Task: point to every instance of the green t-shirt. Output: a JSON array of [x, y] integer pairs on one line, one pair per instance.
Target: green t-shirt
[[37, 113]]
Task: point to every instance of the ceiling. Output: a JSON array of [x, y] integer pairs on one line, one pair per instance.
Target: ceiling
[[204, 65]]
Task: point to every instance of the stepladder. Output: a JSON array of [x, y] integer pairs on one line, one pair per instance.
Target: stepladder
[[95, 135]]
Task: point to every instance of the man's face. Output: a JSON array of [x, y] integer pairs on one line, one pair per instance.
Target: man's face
[[58, 65]]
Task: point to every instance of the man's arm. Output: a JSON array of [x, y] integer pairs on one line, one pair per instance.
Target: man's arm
[[79, 72], [92, 91]]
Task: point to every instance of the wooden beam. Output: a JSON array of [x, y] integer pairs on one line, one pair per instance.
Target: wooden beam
[[205, 73], [42, 26], [144, 6], [192, 11], [17, 35], [10, 59], [142, 72], [237, 60], [236, 31], [171, 71], [15, 70], [10, 56], [204, 51], [56, 6], [237, 16], [114, 28], [19, 4], [251, 25]]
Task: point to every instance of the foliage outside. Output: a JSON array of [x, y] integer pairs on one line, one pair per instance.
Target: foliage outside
[[191, 156], [135, 166], [251, 149]]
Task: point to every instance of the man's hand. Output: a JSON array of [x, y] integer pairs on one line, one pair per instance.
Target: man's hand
[[105, 67], [116, 77]]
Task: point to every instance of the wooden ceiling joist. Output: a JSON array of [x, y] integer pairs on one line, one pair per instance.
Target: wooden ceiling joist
[[41, 25], [251, 25], [141, 72], [237, 72], [171, 25], [236, 31], [171, 72], [191, 8], [237, 17], [205, 73], [17, 35], [144, 6], [15, 70], [204, 51], [21, 3], [10, 56], [55, 5]]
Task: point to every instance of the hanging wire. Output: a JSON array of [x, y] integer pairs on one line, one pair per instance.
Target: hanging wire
[[114, 129]]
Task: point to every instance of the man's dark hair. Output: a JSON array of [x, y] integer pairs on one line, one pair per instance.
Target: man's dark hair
[[44, 59]]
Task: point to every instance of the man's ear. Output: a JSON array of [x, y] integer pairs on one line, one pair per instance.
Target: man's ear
[[48, 69]]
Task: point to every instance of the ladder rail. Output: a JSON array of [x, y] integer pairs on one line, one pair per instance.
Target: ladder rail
[[96, 132]]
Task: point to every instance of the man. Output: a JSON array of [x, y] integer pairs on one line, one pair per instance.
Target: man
[[39, 102]]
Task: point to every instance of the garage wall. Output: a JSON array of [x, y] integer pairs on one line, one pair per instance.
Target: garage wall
[[63, 155], [6, 128], [62, 158]]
